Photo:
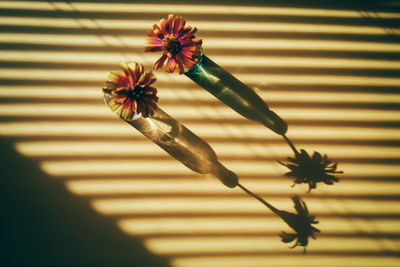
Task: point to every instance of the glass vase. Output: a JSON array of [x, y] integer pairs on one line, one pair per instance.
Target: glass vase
[[182, 144], [235, 94]]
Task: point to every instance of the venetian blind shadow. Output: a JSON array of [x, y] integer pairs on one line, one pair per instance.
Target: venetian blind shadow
[[43, 224]]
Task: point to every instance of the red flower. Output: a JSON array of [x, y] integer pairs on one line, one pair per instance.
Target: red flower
[[131, 91], [177, 42]]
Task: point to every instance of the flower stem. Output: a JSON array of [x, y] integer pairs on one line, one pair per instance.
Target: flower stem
[[272, 208], [290, 144]]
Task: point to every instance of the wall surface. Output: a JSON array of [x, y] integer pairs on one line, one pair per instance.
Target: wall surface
[[81, 187]]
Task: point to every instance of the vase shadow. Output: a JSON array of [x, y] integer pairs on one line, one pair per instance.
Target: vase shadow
[[45, 225]]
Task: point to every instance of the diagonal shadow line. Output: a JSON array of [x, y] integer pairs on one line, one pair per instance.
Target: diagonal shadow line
[[41, 215], [370, 224], [373, 15]]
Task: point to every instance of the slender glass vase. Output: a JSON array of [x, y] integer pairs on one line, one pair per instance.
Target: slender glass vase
[[182, 144], [235, 94]]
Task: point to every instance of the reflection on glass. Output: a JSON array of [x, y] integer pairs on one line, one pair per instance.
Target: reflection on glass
[[182, 144], [235, 94]]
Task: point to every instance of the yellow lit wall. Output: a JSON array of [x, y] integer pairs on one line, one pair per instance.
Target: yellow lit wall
[[333, 74]]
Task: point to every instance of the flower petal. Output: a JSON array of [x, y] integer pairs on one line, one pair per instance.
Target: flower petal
[[160, 62], [180, 63], [157, 31], [146, 79], [171, 65], [153, 49], [127, 111], [286, 237], [178, 24], [317, 156], [142, 108], [166, 24], [131, 92], [176, 41]]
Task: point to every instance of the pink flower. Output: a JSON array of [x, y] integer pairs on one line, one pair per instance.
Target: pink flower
[[176, 41], [131, 91]]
